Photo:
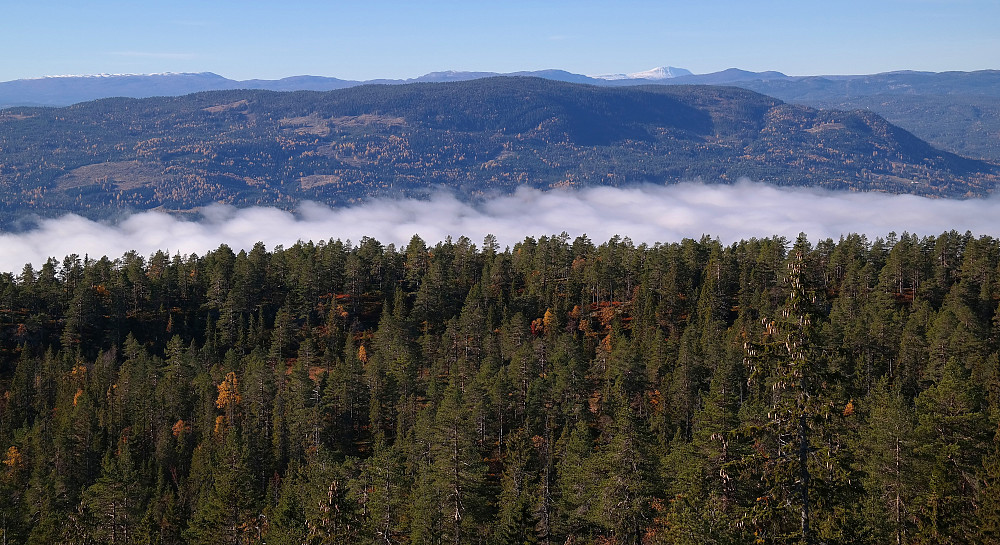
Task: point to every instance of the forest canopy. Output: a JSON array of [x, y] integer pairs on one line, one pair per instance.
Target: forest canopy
[[558, 391]]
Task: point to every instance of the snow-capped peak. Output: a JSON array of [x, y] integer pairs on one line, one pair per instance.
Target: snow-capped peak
[[662, 72], [123, 75]]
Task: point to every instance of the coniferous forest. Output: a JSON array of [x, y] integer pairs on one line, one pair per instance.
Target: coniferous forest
[[559, 391]]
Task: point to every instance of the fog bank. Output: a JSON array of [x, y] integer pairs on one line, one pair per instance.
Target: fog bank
[[644, 214]]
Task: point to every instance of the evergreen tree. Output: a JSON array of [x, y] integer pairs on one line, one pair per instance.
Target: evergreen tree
[[888, 464], [225, 512], [114, 503], [625, 492], [382, 489], [951, 430], [576, 483], [457, 469], [788, 359], [514, 523]]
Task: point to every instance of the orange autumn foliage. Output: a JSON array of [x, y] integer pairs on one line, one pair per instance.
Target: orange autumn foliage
[[229, 392]]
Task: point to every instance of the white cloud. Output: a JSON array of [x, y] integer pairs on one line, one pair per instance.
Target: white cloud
[[644, 214]]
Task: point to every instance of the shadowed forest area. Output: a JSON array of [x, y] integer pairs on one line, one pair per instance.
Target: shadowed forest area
[[558, 391]]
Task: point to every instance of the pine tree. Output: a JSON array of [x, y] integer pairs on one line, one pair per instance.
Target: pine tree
[[988, 510], [951, 431], [716, 440], [625, 468], [285, 521], [113, 504], [787, 364], [331, 516], [225, 512], [514, 523], [887, 463], [382, 489], [457, 468], [576, 483]]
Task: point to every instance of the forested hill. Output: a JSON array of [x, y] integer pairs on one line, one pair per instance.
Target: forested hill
[[957, 111], [555, 392], [489, 135]]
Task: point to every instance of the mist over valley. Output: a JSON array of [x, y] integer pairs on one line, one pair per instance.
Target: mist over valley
[[645, 214]]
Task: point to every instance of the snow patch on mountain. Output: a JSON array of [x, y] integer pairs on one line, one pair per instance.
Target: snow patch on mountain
[[662, 72], [103, 75]]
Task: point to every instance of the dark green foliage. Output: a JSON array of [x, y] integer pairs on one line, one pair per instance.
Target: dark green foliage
[[552, 392]]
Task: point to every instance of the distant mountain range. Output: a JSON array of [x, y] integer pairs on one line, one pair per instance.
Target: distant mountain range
[[483, 136], [66, 90], [957, 111]]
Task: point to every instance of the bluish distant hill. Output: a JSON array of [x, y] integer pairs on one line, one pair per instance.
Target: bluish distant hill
[[482, 136], [956, 111]]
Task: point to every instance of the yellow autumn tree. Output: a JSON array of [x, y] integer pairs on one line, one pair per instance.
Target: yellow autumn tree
[[229, 392], [549, 321], [228, 400], [13, 459]]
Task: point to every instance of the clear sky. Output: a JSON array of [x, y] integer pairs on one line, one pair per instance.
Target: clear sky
[[402, 39]]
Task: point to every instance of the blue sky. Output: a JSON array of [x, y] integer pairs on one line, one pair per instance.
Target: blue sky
[[397, 39]]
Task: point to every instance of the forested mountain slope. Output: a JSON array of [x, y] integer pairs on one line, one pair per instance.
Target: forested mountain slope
[[490, 135], [553, 392], [956, 111]]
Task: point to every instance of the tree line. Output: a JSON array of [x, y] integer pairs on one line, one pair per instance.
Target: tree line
[[557, 391]]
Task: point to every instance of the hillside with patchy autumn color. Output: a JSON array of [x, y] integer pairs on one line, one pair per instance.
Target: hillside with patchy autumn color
[[477, 137]]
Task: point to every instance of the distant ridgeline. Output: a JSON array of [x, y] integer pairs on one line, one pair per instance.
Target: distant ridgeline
[[475, 137], [554, 392]]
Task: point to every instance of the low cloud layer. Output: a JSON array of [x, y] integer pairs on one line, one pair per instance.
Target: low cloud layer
[[644, 214]]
